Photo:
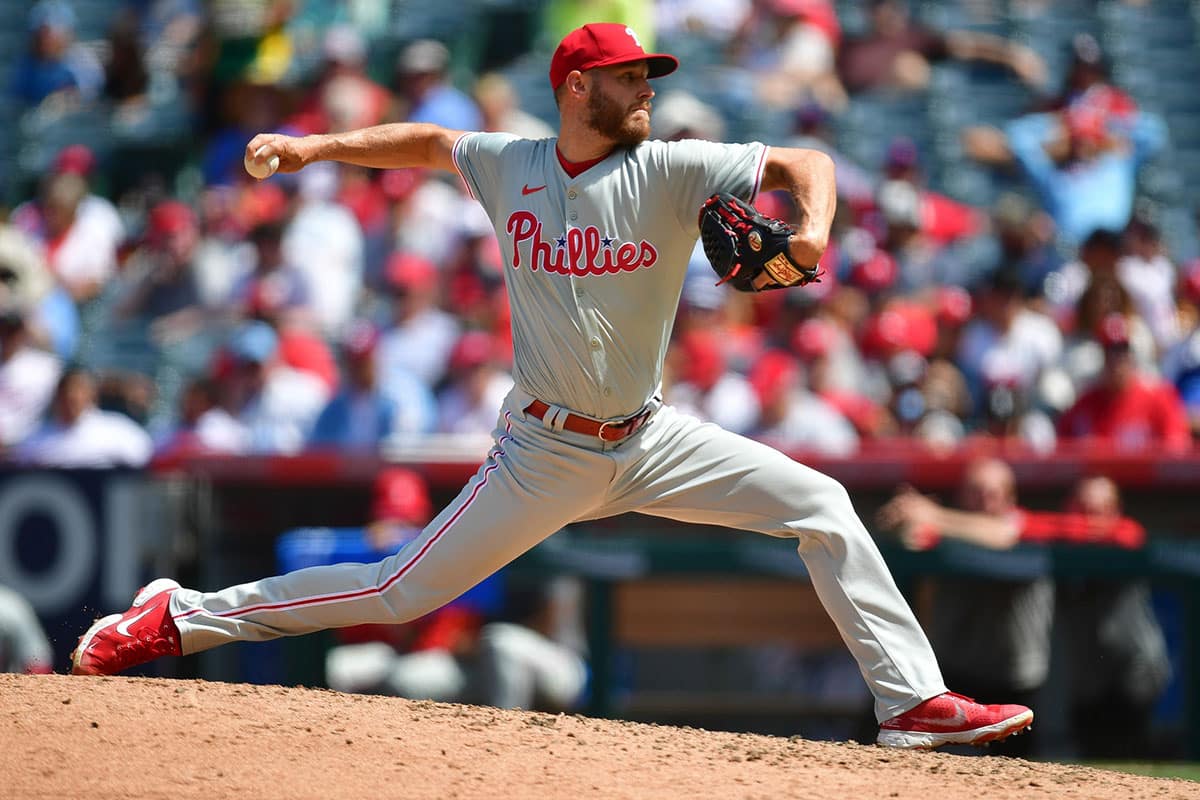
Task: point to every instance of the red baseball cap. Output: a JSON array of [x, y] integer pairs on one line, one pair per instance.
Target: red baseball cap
[[473, 349], [1190, 284], [813, 338], [401, 496], [1113, 331], [75, 158], [876, 273], [410, 271], [900, 326], [704, 359], [1086, 124], [604, 44], [952, 305], [772, 374], [168, 218]]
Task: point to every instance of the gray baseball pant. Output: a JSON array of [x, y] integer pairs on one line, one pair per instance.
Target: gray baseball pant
[[536, 481]]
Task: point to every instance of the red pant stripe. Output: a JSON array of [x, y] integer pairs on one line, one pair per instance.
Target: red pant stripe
[[344, 596]]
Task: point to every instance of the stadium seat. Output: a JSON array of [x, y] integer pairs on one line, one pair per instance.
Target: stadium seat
[[42, 136], [1179, 231], [954, 15]]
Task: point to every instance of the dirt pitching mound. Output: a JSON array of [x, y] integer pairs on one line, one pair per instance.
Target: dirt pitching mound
[[130, 738]]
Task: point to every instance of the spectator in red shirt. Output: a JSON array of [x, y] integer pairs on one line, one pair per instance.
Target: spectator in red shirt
[[706, 387], [942, 218], [1114, 646], [793, 418], [1127, 409], [815, 342], [300, 347], [991, 520]]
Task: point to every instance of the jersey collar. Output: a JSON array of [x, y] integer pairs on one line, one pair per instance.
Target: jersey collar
[[576, 168]]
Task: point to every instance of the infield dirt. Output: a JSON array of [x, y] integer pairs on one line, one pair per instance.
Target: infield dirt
[[129, 738]]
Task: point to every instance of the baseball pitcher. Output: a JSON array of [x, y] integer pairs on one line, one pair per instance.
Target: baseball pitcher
[[596, 227]]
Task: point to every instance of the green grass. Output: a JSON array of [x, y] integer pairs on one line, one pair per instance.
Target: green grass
[[1154, 769]]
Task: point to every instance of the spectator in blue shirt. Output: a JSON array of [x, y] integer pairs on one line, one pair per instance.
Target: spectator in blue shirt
[[364, 412], [44, 71], [1084, 164], [426, 92]]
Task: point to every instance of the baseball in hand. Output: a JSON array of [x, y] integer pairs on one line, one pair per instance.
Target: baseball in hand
[[261, 169]]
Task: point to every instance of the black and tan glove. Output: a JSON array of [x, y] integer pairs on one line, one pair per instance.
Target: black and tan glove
[[748, 250]]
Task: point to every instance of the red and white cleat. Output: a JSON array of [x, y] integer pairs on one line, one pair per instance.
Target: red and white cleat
[[120, 641], [953, 719]]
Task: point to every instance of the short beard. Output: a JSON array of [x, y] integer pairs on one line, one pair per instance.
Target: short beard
[[607, 118]]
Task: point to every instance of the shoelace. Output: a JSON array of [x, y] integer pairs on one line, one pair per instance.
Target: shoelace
[[948, 694], [962, 697]]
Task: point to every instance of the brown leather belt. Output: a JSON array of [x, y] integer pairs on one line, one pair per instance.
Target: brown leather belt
[[607, 431]]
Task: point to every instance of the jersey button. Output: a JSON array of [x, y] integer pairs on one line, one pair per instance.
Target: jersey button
[[607, 391], [595, 343], [572, 194], [574, 215]]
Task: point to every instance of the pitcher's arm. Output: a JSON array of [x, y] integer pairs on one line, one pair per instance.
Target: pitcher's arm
[[393, 146]]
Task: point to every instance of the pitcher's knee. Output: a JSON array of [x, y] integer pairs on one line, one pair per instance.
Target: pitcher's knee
[[826, 507], [408, 603], [831, 495]]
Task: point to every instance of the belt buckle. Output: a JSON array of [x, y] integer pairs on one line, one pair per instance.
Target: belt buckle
[[614, 426], [632, 423]]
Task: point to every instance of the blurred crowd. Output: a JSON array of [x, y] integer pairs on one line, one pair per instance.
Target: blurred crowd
[[1038, 291], [156, 301]]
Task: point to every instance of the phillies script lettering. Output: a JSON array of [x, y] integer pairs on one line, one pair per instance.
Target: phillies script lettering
[[580, 251]]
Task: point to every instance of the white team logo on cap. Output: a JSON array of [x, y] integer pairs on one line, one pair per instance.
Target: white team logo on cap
[[633, 36]]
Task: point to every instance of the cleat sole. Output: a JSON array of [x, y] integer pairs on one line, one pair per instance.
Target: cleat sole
[[928, 740]]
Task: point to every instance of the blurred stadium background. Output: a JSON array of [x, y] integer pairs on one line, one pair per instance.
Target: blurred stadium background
[[190, 271]]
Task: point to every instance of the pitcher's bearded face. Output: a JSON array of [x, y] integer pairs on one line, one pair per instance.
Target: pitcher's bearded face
[[618, 106]]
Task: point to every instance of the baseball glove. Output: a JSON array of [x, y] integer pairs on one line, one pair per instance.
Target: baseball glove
[[747, 250]]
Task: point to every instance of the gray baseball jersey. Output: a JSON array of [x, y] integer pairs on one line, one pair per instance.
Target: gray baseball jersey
[[595, 263], [594, 267]]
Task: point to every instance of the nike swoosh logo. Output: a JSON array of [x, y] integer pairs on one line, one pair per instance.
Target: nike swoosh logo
[[943, 723], [527, 190], [123, 625]]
